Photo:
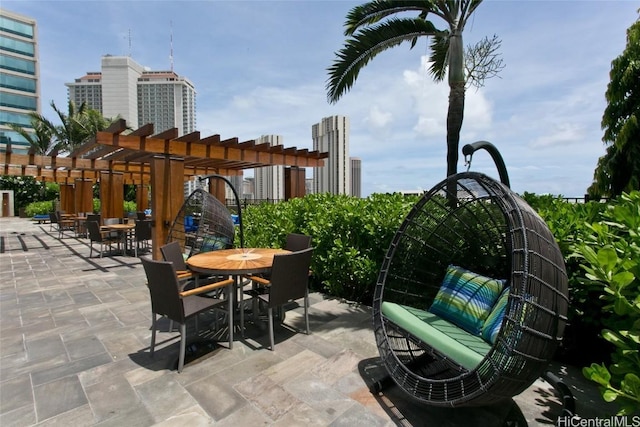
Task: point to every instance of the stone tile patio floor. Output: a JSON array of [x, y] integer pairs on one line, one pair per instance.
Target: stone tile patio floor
[[74, 337]]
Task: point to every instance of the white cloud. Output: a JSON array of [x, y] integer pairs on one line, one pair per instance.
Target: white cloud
[[260, 68], [378, 118]]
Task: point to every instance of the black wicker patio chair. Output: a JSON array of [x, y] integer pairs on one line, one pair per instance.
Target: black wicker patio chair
[[212, 228], [471, 300]]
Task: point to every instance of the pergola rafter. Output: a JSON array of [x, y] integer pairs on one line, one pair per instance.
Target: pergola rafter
[[163, 161]]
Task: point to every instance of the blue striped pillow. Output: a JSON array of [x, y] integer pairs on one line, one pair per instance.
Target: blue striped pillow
[[493, 323], [466, 298]]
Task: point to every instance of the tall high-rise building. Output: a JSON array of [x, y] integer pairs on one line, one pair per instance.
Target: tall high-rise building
[[237, 181], [124, 88], [269, 180], [331, 135], [19, 77], [356, 177]]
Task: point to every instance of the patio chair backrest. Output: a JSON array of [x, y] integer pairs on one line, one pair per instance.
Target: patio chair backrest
[[93, 228], [171, 252], [297, 242], [289, 277], [143, 230], [163, 287]]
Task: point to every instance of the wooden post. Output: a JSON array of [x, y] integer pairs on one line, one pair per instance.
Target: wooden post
[[142, 197], [167, 186], [111, 195], [83, 195], [67, 198], [294, 182], [217, 188]]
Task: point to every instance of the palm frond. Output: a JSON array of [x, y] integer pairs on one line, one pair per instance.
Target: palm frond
[[373, 12], [438, 58], [467, 9], [367, 44]]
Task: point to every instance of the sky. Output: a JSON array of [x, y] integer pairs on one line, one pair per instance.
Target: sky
[[260, 68]]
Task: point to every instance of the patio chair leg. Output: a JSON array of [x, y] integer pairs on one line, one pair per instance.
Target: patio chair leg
[[271, 338], [153, 334], [183, 345], [241, 311], [306, 311]]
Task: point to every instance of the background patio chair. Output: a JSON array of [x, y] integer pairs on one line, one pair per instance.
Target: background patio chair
[[297, 242], [63, 224], [97, 236], [167, 300], [53, 221], [141, 235]]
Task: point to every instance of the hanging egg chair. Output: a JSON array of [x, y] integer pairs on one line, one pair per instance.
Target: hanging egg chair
[[203, 224], [471, 300]]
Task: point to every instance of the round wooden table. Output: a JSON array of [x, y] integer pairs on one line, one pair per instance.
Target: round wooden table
[[234, 261], [123, 230]]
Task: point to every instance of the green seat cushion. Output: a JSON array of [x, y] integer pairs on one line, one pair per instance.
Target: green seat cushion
[[493, 323], [465, 349], [214, 243], [466, 298]]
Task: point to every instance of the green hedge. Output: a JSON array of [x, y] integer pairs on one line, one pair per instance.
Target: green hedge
[[601, 247], [350, 236], [600, 243], [46, 207], [38, 208]]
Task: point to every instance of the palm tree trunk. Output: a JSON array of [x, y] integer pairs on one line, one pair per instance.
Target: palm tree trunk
[[456, 100], [454, 124]]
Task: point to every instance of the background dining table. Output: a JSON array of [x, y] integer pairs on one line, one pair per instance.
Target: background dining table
[[123, 230]]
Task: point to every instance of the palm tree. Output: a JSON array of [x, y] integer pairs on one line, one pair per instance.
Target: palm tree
[[92, 122], [41, 139], [70, 133], [77, 126], [370, 33]]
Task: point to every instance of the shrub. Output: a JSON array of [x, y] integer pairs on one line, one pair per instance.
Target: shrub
[[38, 208], [350, 236], [610, 257], [129, 206]]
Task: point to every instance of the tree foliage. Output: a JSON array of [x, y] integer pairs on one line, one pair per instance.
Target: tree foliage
[[26, 189], [41, 140], [77, 126], [619, 169], [379, 25]]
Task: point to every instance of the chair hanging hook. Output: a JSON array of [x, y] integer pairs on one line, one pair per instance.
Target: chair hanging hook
[[467, 161], [469, 149]]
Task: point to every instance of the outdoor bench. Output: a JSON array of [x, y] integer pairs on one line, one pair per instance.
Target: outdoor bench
[[41, 218], [460, 346]]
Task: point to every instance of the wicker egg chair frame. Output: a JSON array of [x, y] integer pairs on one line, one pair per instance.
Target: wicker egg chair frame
[[212, 229], [475, 222]]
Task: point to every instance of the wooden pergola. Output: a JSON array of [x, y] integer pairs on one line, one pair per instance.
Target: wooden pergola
[[159, 162]]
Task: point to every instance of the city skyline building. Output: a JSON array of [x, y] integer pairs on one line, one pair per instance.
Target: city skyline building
[[331, 135], [356, 176], [237, 181], [269, 180], [127, 89], [19, 77]]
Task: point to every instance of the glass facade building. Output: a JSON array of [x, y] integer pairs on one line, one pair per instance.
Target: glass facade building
[[19, 77]]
